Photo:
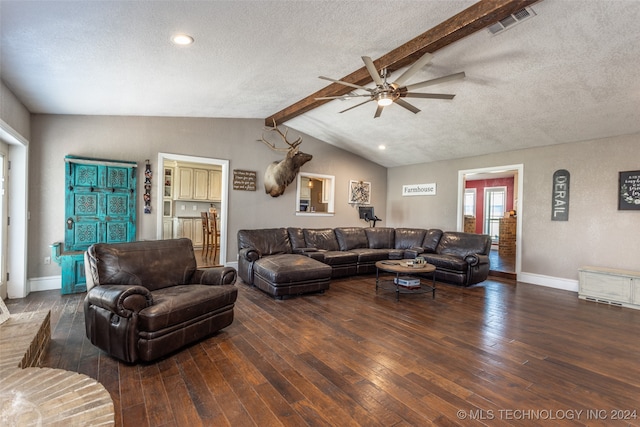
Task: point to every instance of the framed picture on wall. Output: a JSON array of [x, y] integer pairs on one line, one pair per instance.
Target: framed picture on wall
[[629, 190], [360, 192]]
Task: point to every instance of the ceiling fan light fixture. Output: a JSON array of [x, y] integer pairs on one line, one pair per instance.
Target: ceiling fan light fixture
[[384, 99]]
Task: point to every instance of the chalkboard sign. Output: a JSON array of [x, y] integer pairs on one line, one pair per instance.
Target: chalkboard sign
[[244, 180], [629, 191]]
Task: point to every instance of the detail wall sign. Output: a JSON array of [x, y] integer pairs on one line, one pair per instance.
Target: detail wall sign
[[419, 189], [560, 196], [244, 180], [629, 190]]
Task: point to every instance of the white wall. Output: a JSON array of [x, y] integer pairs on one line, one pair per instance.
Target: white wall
[[140, 138], [597, 233]]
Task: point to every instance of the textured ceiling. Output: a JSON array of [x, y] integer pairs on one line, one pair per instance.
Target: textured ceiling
[[568, 74]]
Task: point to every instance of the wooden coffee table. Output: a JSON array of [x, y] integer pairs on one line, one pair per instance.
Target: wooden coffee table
[[401, 269]]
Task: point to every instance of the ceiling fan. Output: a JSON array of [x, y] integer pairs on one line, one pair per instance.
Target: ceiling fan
[[388, 93]]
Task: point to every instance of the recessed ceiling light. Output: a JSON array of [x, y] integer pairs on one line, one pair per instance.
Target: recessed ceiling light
[[382, 147], [182, 39]]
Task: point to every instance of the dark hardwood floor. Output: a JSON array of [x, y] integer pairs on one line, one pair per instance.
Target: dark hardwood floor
[[493, 354]]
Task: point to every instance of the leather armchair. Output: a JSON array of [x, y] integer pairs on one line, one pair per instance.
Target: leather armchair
[[148, 299]]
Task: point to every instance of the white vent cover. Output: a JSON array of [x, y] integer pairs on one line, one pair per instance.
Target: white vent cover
[[511, 20]]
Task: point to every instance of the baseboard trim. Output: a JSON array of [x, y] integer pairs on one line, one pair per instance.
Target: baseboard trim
[[549, 281], [48, 283], [55, 282]]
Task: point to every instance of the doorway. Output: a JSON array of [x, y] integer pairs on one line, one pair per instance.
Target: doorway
[[494, 199], [4, 220], [222, 205]]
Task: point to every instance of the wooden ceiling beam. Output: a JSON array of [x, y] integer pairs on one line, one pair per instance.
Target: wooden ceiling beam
[[476, 17]]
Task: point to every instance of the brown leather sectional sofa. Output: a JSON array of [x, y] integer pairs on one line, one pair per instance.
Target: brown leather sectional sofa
[[147, 299], [290, 261]]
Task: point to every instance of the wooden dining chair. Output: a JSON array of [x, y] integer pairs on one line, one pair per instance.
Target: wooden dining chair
[[206, 234], [215, 234]]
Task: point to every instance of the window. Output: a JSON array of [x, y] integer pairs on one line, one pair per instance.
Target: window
[[470, 202], [315, 195]]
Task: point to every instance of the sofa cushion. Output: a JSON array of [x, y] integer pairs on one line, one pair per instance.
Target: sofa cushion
[[296, 237], [321, 238], [449, 262], [178, 304], [153, 264], [285, 269], [371, 255], [463, 244], [339, 257], [269, 241], [381, 237], [407, 238], [351, 238], [431, 239]]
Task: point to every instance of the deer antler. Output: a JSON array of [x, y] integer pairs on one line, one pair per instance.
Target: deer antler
[[292, 145]]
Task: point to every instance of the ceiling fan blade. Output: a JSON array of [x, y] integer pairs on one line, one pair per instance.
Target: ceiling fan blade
[[412, 70], [357, 105], [406, 105], [439, 80], [345, 83], [378, 111], [426, 95], [368, 62], [342, 97]]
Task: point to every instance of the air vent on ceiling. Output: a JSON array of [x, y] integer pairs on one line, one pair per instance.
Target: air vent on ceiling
[[511, 20]]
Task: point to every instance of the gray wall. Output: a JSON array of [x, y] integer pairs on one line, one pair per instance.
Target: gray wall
[[597, 233], [140, 138]]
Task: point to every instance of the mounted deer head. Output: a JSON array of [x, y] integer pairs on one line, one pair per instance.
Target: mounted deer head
[[280, 174]]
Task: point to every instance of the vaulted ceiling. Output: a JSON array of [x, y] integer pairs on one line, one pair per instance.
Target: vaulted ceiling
[[568, 73]]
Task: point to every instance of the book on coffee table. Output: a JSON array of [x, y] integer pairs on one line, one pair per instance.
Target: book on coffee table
[[407, 282]]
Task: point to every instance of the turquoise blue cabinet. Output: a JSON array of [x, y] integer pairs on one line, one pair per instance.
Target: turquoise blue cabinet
[[100, 207], [73, 277]]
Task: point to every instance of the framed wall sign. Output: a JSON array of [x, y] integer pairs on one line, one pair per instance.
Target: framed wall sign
[[629, 190], [419, 189], [244, 180]]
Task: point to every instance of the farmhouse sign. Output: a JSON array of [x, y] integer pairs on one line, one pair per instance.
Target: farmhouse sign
[[560, 196], [244, 180], [419, 189]]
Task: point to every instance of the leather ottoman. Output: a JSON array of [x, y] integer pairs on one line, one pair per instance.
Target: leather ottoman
[[290, 274]]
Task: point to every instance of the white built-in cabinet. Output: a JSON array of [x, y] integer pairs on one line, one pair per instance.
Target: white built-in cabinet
[[215, 185], [167, 228], [609, 285], [305, 190], [184, 189], [191, 228], [198, 184]]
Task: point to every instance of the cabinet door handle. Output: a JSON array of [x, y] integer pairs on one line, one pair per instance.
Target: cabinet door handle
[[70, 223]]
